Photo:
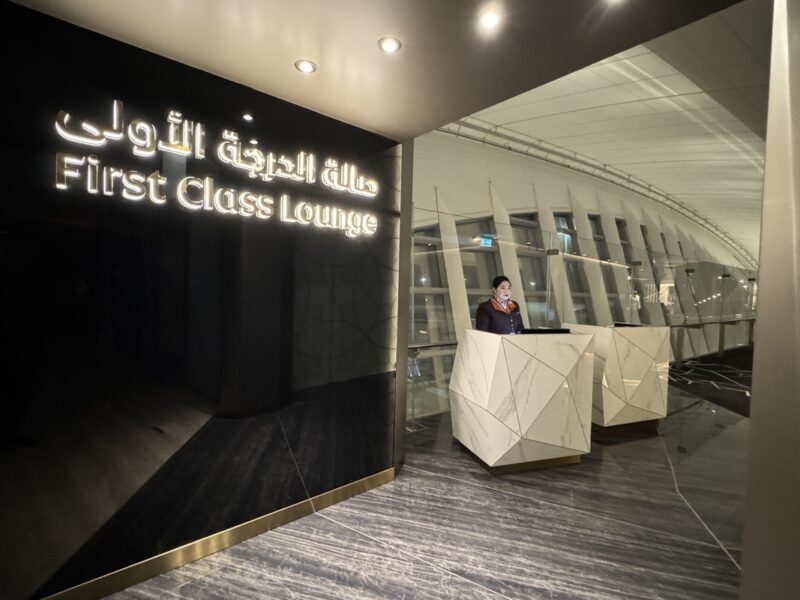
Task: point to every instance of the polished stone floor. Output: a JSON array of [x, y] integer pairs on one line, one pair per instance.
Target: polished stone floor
[[647, 514]]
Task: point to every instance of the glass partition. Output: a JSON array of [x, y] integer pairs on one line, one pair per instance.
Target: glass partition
[[563, 277]]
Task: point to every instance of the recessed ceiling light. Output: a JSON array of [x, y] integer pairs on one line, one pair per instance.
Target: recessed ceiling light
[[305, 66], [489, 19], [247, 117], [254, 141], [389, 45]]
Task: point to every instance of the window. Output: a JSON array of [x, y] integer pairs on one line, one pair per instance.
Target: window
[[636, 276], [599, 237], [430, 320], [650, 255], [532, 260], [567, 235], [625, 240], [527, 231], [480, 259], [579, 290]]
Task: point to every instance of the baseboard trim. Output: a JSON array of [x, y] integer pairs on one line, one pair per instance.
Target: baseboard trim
[[156, 565]]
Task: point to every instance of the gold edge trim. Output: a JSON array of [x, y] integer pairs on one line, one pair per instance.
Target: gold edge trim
[[351, 489], [177, 557]]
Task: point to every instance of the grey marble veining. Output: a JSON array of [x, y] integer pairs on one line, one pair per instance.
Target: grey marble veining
[[611, 527], [310, 558], [524, 549], [630, 373], [624, 478], [517, 399]]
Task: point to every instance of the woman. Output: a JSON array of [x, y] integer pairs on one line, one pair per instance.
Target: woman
[[499, 314]]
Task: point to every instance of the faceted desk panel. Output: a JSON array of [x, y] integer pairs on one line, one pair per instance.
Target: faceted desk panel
[[522, 398], [630, 374]]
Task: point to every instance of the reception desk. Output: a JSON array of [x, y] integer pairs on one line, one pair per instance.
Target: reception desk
[[518, 399], [631, 373]]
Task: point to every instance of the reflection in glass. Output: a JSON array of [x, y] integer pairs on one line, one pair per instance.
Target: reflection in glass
[[430, 318], [429, 371], [567, 234]]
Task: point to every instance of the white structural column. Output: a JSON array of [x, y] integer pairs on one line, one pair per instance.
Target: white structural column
[[771, 566], [631, 373], [453, 267], [592, 269], [508, 252], [522, 398]]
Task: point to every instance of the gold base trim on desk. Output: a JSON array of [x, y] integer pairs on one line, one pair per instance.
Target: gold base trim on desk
[[532, 465], [649, 427], [141, 571]]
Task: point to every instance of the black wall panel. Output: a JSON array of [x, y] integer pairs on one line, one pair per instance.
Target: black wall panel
[[169, 373]]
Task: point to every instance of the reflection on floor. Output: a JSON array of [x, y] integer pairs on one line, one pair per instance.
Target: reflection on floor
[[94, 435], [644, 515], [725, 380]]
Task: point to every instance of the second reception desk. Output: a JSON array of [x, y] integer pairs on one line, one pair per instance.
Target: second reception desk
[[522, 398], [631, 373]]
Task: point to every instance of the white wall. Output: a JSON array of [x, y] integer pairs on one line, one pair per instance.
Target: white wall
[[460, 170]]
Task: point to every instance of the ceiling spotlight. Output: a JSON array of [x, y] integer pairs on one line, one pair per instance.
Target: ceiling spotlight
[[305, 66], [489, 20], [389, 45], [247, 117]]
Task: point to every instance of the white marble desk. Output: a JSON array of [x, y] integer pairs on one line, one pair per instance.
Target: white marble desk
[[522, 398], [631, 373]]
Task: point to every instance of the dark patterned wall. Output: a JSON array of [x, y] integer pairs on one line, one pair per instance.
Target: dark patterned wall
[[168, 373]]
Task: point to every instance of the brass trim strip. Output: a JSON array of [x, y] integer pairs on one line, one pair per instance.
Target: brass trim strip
[[177, 557], [532, 465], [352, 489]]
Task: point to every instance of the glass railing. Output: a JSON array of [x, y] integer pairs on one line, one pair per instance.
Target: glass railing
[[558, 280], [428, 378]]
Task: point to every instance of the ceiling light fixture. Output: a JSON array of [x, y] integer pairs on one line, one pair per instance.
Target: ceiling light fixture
[[254, 141], [305, 66], [489, 19], [247, 117], [389, 45]]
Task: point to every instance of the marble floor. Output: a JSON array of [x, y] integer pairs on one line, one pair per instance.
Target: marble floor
[[647, 514]]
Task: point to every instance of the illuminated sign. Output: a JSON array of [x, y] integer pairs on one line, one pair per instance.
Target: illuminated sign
[[486, 242], [188, 139]]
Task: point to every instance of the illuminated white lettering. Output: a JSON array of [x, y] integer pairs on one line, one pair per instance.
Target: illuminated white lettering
[[225, 201], [154, 183], [134, 185], [65, 168], [143, 136], [94, 138], [247, 204], [117, 124], [178, 135], [182, 192], [353, 223], [370, 224], [109, 175], [92, 174], [265, 207], [304, 213], [285, 208]]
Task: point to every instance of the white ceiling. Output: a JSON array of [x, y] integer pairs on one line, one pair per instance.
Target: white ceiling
[[685, 112], [445, 70]]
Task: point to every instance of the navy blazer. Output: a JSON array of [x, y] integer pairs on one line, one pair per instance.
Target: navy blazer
[[487, 318]]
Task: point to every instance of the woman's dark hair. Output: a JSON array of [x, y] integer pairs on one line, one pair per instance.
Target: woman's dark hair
[[499, 279]]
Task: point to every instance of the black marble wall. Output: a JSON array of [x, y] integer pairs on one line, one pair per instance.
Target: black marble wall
[[166, 373]]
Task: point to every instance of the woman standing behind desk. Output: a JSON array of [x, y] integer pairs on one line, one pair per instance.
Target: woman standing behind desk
[[499, 314]]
